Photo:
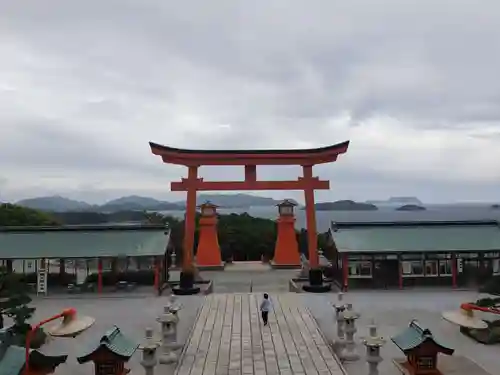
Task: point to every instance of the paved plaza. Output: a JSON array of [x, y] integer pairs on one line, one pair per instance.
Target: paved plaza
[[228, 337], [393, 311]]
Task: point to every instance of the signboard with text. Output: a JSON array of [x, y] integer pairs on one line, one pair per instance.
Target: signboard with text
[[41, 282]]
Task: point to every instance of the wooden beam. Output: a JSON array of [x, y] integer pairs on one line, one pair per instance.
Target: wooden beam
[[315, 183]]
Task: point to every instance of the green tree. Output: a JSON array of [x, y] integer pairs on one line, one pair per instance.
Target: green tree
[[13, 215], [14, 301]]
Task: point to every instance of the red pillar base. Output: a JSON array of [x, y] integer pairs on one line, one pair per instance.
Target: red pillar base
[[345, 272], [208, 256], [286, 252]]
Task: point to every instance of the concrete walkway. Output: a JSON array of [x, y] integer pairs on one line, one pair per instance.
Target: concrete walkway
[[228, 339]]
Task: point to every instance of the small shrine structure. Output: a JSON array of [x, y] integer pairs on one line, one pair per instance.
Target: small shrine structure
[[110, 354], [421, 350], [286, 252], [208, 255], [13, 358]]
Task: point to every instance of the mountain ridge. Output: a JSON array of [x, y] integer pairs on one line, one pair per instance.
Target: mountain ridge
[[58, 203]]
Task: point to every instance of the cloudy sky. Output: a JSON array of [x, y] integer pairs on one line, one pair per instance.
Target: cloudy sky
[[85, 85]]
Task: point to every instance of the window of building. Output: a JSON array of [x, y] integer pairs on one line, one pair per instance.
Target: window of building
[[425, 363], [445, 267], [496, 266], [413, 267], [431, 267], [360, 268]]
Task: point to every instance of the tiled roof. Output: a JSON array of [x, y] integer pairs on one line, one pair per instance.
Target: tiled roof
[[115, 342], [13, 359], [82, 243], [416, 237], [414, 336]]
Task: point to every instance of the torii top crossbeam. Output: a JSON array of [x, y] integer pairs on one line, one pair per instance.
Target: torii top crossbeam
[[309, 156]]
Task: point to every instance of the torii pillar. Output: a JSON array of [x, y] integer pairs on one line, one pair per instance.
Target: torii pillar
[[208, 254], [286, 252]]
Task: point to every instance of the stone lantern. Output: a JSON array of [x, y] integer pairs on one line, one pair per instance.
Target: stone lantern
[[286, 251], [339, 318], [373, 344], [286, 208], [173, 306], [168, 322], [148, 348], [350, 317]]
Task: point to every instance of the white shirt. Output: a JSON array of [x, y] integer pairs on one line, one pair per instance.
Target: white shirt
[[265, 305]]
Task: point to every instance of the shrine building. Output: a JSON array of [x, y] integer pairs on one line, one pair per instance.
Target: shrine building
[[74, 252], [406, 254]]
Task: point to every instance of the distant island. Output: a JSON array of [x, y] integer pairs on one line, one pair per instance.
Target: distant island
[[138, 203], [344, 205], [495, 206], [397, 201], [411, 207]]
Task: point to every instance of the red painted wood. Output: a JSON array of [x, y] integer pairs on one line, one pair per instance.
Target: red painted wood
[[250, 173], [189, 221], [200, 185], [273, 157], [312, 236], [247, 161], [99, 275], [454, 270], [345, 271]]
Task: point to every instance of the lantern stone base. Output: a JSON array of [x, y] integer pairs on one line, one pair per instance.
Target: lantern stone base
[[316, 282]]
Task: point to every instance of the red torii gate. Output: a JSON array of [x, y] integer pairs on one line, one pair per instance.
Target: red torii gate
[[250, 159]]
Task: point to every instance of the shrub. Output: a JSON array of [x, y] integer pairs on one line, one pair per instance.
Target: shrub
[[142, 277], [53, 279], [492, 286]]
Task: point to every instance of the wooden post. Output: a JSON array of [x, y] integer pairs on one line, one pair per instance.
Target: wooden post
[[99, 275], [189, 220], [157, 274], [454, 270], [345, 271], [400, 272], [312, 236]]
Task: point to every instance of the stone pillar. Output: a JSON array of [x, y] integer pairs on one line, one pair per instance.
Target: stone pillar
[[208, 255], [373, 344], [286, 251], [148, 348], [168, 322], [350, 316]]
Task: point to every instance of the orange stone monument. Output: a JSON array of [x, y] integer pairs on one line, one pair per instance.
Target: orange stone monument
[[208, 254], [286, 252]]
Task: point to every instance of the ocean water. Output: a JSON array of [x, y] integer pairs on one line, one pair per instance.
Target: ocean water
[[323, 218]]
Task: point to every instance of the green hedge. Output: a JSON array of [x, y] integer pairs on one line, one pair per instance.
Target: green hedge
[[53, 279], [492, 286], [143, 277]]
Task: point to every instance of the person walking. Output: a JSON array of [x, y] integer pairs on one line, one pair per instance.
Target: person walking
[[265, 306]]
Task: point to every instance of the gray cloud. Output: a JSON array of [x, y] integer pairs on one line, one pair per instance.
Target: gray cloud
[[85, 85]]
